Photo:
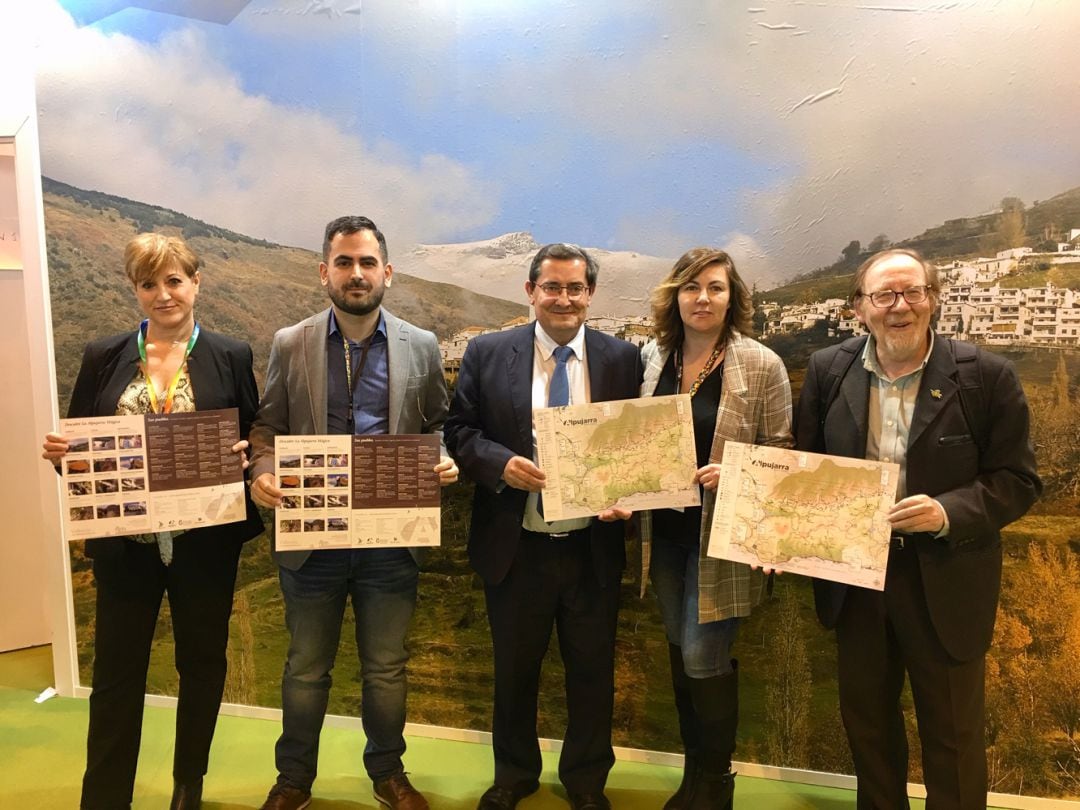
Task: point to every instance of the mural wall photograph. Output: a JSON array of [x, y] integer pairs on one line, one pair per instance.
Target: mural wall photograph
[[799, 137]]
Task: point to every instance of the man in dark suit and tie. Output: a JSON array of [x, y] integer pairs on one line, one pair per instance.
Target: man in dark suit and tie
[[539, 574], [956, 421]]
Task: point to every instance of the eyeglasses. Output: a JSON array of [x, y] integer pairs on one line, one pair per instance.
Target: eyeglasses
[[883, 299], [573, 291]]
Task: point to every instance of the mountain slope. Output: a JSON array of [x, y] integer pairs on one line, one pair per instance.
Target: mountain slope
[[500, 267], [250, 287]]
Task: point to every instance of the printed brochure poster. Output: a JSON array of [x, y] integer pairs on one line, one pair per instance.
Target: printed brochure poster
[[150, 473], [376, 491]]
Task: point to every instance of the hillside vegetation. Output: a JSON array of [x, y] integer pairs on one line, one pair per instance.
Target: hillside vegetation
[[809, 290], [1015, 225], [250, 288]]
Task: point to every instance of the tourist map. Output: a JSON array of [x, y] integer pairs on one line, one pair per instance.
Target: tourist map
[[632, 453], [823, 516]]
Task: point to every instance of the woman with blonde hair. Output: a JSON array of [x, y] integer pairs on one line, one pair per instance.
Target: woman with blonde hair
[[739, 391], [169, 364]]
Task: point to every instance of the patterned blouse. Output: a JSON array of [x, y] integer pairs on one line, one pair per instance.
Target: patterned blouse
[[135, 401], [136, 398]]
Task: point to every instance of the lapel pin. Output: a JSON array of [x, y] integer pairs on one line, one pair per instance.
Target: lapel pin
[[935, 393]]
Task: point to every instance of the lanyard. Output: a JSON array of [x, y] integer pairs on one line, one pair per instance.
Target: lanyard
[[349, 373], [719, 350], [167, 408]]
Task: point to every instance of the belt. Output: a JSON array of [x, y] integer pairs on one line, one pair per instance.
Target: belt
[[899, 542], [576, 533]]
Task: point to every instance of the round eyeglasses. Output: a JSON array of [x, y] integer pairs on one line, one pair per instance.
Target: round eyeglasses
[[883, 299]]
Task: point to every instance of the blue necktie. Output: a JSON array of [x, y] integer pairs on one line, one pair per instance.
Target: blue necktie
[[558, 394], [559, 389]]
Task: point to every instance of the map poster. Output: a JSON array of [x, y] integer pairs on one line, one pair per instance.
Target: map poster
[[341, 491], [632, 453], [822, 516], [150, 473]]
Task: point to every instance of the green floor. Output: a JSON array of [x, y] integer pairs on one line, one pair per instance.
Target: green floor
[[41, 761]]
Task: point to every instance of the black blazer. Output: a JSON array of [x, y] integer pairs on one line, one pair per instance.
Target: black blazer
[[490, 421], [980, 491], [221, 376]]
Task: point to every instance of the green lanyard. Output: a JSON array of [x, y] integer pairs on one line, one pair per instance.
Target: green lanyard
[[167, 408]]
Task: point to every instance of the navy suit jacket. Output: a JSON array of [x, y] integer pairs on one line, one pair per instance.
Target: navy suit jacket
[[981, 490], [221, 377], [490, 421]]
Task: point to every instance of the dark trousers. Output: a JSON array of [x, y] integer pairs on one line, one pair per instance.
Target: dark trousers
[[553, 583], [130, 585], [880, 636]]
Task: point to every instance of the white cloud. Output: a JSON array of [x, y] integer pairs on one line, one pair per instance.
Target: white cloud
[[940, 111], [873, 117], [657, 233], [167, 123], [661, 235], [754, 263]]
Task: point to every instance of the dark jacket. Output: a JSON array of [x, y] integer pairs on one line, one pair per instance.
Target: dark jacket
[[490, 421], [221, 377], [982, 490]]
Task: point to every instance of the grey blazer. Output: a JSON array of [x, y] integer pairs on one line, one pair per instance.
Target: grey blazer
[[294, 402]]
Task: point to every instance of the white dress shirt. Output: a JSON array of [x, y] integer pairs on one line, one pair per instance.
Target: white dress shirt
[[577, 373]]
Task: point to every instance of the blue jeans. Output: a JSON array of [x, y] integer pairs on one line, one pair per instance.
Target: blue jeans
[[382, 584], [706, 648]]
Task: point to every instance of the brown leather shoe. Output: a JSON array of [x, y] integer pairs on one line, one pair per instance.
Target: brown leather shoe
[[397, 793], [286, 797]]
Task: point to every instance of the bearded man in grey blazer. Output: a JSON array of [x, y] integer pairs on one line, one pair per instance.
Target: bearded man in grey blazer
[[352, 368]]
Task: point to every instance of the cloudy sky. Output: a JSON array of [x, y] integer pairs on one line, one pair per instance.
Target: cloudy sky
[[779, 128]]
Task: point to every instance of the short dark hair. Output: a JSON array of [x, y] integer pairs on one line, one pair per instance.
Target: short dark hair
[[928, 267], [667, 322], [350, 225], [564, 250]]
